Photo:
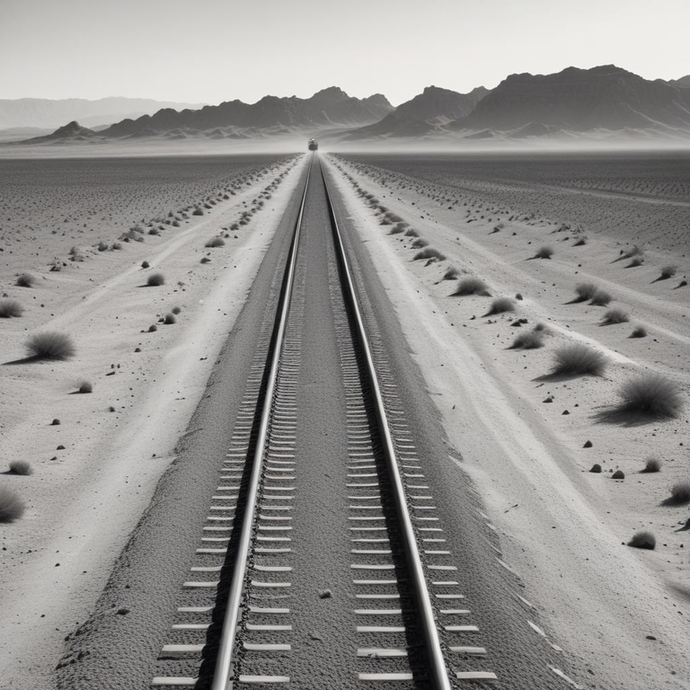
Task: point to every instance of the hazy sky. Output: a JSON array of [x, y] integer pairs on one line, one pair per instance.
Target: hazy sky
[[215, 50]]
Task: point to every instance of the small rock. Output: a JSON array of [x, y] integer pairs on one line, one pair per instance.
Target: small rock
[[565, 412], [596, 467], [548, 400], [122, 612], [651, 637], [60, 447], [325, 594], [618, 474], [588, 444], [55, 422]]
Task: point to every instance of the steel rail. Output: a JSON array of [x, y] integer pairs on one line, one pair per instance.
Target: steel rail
[[438, 671], [224, 660]]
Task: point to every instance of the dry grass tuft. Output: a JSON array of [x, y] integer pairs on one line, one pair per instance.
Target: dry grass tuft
[[50, 345], [544, 252], [578, 359], [11, 506], [643, 540], [471, 286], [652, 465], [155, 279], [429, 253], [668, 272], [601, 298], [20, 467], [652, 394], [680, 493], [169, 319], [25, 280], [531, 340], [501, 305], [585, 291], [451, 274], [419, 243], [10, 307], [639, 332], [215, 242], [613, 316], [85, 387]]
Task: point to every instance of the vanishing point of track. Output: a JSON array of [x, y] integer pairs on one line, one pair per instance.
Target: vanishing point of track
[[322, 467]]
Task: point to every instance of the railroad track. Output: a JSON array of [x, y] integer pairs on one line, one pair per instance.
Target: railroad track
[[323, 563]]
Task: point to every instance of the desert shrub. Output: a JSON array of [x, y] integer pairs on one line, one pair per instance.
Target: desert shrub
[[411, 232], [643, 540], [636, 261], [577, 358], [680, 493], [215, 242], [205, 260], [601, 298], [540, 327], [639, 332], [451, 274], [652, 465], [419, 243], [429, 253], [471, 286], [145, 264], [50, 345], [154, 231], [634, 251], [652, 394], [10, 307], [531, 340], [116, 246], [102, 246], [544, 252], [11, 506], [85, 387], [397, 228], [176, 310], [25, 280], [169, 319], [585, 291], [155, 279], [501, 305], [668, 272], [615, 316], [153, 328], [198, 211], [580, 242], [21, 467]]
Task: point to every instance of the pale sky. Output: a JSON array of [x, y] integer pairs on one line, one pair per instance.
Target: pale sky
[[216, 50]]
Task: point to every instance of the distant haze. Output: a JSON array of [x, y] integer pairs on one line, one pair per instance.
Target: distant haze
[[215, 50]]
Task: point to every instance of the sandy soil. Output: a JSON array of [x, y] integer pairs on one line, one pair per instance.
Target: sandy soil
[[622, 611], [95, 471]]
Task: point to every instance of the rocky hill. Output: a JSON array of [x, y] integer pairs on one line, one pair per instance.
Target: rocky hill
[[580, 100]]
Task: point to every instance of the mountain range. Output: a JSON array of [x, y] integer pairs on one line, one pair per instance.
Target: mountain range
[[601, 101], [48, 114]]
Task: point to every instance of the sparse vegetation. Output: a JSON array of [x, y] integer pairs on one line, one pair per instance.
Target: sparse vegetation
[[50, 345], [680, 493], [652, 465], [652, 394], [530, 340], [429, 253], [155, 279], [544, 252], [585, 291], [471, 286], [419, 243], [153, 328], [501, 305], [11, 506], [9, 308], [145, 264], [451, 274], [169, 319], [85, 387], [614, 316], [198, 211], [176, 310], [25, 280], [639, 332], [579, 359], [20, 467], [601, 298], [643, 540], [215, 242], [668, 272]]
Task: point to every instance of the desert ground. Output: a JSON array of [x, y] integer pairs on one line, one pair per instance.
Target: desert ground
[[531, 437], [100, 429]]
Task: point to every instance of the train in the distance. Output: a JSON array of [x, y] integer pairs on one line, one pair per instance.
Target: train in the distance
[[313, 145]]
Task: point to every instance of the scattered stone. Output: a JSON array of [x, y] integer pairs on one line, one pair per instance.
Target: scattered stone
[[55, 422], [122, 612], [565, 412], [618, 474], [325, 594], [548, 400], [588, 444], [60, 447], [596, 468]]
